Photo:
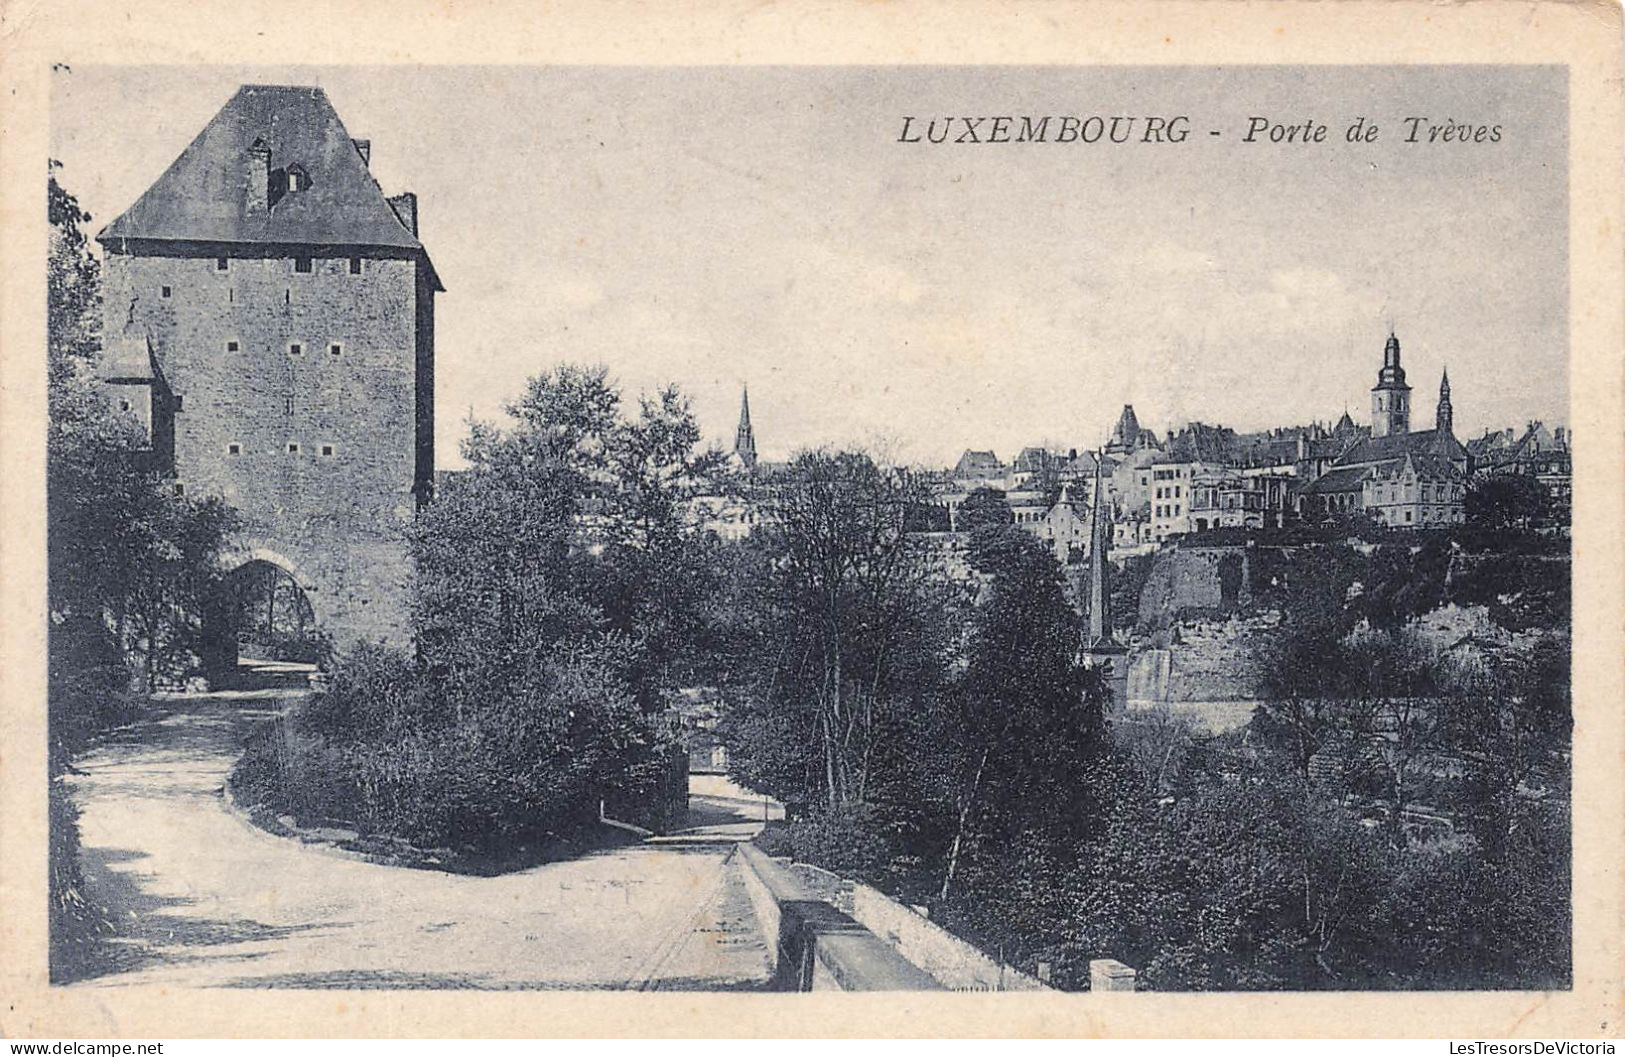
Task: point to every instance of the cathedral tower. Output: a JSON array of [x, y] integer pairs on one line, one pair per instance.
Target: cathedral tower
[[1390, 397]]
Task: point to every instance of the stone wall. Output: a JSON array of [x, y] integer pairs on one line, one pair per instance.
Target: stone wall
[[1194, 580], [957, 964], [812, 944], [861, 939], [335, 512], [1208, 663]]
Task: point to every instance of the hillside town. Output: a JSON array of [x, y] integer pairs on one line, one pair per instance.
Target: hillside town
[[1199, 479]]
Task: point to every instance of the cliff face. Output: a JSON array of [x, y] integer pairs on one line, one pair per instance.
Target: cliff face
[[1194, 581], [1201, 661]]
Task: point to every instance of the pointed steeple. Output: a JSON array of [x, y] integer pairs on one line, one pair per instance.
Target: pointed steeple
[[1444, 419], [1099, 540], [745, 437]]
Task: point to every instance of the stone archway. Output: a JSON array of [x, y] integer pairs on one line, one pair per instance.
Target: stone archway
[[263, 610]]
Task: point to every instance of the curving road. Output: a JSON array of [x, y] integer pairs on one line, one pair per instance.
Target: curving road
[[200, 898]]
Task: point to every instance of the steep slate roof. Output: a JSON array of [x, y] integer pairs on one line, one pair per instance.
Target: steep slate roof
[[127, 359], [1501, 438], [1033, 460], [1340, 479], [978, 462], [1423, 465], [203, 195]]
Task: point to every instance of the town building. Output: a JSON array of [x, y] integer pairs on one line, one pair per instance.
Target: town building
[[1128, 435], [1401, 478], [1064, 530], [1544, 453], [269, 319]]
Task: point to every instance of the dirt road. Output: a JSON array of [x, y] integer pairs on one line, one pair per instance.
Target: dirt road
[[201, 898]]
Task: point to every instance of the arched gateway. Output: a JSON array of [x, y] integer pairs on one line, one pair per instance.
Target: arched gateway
[[275, 336], [262, 612]]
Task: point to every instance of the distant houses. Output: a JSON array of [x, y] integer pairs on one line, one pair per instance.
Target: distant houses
[[1203, 478]]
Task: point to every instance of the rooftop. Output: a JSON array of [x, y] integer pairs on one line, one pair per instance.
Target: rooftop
[[204, 195]]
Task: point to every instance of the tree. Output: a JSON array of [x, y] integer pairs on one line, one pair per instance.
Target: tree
[[1508, 719], [1507, 501], [559, 591], [1029, 716], [840, 611], [983, 506], [127, 559]]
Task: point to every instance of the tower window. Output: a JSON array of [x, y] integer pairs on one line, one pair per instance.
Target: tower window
[[293, 448], [232, 346], [301, 265], [355, 265], [180, 401], [163, 291], [234, 449], [180, 489], [335, 348], [296, 349], [221, 263], [327, 449]]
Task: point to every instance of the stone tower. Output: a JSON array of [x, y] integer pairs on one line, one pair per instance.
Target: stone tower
[[1390, 397], [1444, 419], [745, 437], [282, 310], [1127, 435]]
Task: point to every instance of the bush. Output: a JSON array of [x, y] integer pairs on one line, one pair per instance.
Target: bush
[[295, 771], [431, 762], [846, 841], [774, 839]]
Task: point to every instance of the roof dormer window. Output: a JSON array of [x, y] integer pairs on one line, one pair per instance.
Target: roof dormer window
[[298, 179]]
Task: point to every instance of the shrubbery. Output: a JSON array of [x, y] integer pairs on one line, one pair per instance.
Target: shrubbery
[[535, 690]]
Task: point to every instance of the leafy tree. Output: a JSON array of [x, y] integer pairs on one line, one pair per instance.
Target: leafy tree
[[839, 611], [983, 507], [1508, 718], [1029, 715], [1507, 501]]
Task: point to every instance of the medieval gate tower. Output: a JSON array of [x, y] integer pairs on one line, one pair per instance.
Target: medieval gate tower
[[269, 318]]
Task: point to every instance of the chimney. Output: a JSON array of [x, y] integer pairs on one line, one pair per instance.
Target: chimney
[[406, 209], [258, 188], [363, 147]]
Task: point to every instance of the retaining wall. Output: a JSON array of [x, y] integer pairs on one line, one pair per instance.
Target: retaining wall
[[812, 945]]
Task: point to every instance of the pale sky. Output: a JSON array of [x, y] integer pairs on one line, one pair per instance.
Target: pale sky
[[717, 227]]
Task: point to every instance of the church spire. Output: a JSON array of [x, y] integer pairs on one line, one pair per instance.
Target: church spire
[[745, 437], [1099, 539], [1445, 418]]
